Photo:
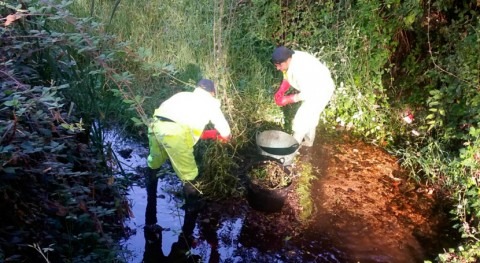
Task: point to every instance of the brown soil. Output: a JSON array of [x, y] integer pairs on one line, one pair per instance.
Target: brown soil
[[366, 210]]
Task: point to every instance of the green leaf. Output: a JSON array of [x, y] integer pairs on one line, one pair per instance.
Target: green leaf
[[137, 121], [9, 170], [409, 20], [6, 149]]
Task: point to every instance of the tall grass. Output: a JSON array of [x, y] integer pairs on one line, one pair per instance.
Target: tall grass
[[197, 39], [179, 42]]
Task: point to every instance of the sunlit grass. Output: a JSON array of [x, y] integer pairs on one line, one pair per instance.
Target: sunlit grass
[[304, 190], [191, 37]]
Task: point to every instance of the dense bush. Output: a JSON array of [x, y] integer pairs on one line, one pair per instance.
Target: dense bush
[[59, 199]]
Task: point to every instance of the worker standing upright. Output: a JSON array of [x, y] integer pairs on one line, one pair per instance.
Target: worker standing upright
[[315, 86]]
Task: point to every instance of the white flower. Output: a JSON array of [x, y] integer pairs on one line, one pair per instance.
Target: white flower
[[357, 115], [340, 121], [349, 126]]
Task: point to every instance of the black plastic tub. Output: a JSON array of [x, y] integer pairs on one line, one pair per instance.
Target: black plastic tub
[[263, 198]]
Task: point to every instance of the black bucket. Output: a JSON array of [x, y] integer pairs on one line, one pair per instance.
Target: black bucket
[[264, 198]]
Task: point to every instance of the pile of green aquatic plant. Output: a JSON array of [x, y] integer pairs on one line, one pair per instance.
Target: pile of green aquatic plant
[[270, 175]]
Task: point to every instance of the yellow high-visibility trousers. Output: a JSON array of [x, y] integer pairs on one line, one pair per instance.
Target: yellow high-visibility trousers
[[175, 142]]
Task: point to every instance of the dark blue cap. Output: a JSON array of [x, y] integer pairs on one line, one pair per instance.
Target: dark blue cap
[[281, 54], [207, 85]]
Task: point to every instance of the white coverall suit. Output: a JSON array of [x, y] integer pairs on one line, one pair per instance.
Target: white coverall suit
[[189, 113], [313, 80]]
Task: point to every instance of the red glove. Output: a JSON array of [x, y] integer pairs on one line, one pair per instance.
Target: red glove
[[209, 134], [284, 86], [214, 135], [285, 100]]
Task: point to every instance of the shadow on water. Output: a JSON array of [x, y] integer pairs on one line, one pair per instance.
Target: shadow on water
[[353, 222]]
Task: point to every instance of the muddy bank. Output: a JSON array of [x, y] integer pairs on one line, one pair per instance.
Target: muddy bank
[[366, 209]]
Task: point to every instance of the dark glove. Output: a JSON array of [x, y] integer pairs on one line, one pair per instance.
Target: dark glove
[[284, 86], [285, 100]]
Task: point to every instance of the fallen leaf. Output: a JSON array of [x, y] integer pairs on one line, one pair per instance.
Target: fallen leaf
[[11, 18]]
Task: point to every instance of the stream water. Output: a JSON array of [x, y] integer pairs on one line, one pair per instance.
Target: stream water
[[170, 214], [354, 220]]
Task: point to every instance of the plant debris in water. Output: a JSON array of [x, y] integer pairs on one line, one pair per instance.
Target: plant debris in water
[[270, 175]]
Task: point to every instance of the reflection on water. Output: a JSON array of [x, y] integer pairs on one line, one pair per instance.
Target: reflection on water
[[165, 242], [167, 212], [169, 216]]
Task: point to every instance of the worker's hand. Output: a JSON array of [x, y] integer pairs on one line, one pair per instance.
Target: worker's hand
[[284, 86], [209, 134], [214, 135], [224, 139], [285, 100]]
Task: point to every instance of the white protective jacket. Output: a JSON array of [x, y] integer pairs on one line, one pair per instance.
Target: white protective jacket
[[313, 80]]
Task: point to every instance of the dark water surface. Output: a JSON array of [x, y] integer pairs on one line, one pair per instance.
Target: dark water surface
[[224, 233]]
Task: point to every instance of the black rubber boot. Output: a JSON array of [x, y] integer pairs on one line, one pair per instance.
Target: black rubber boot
[[151, 182], [193, 198]]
